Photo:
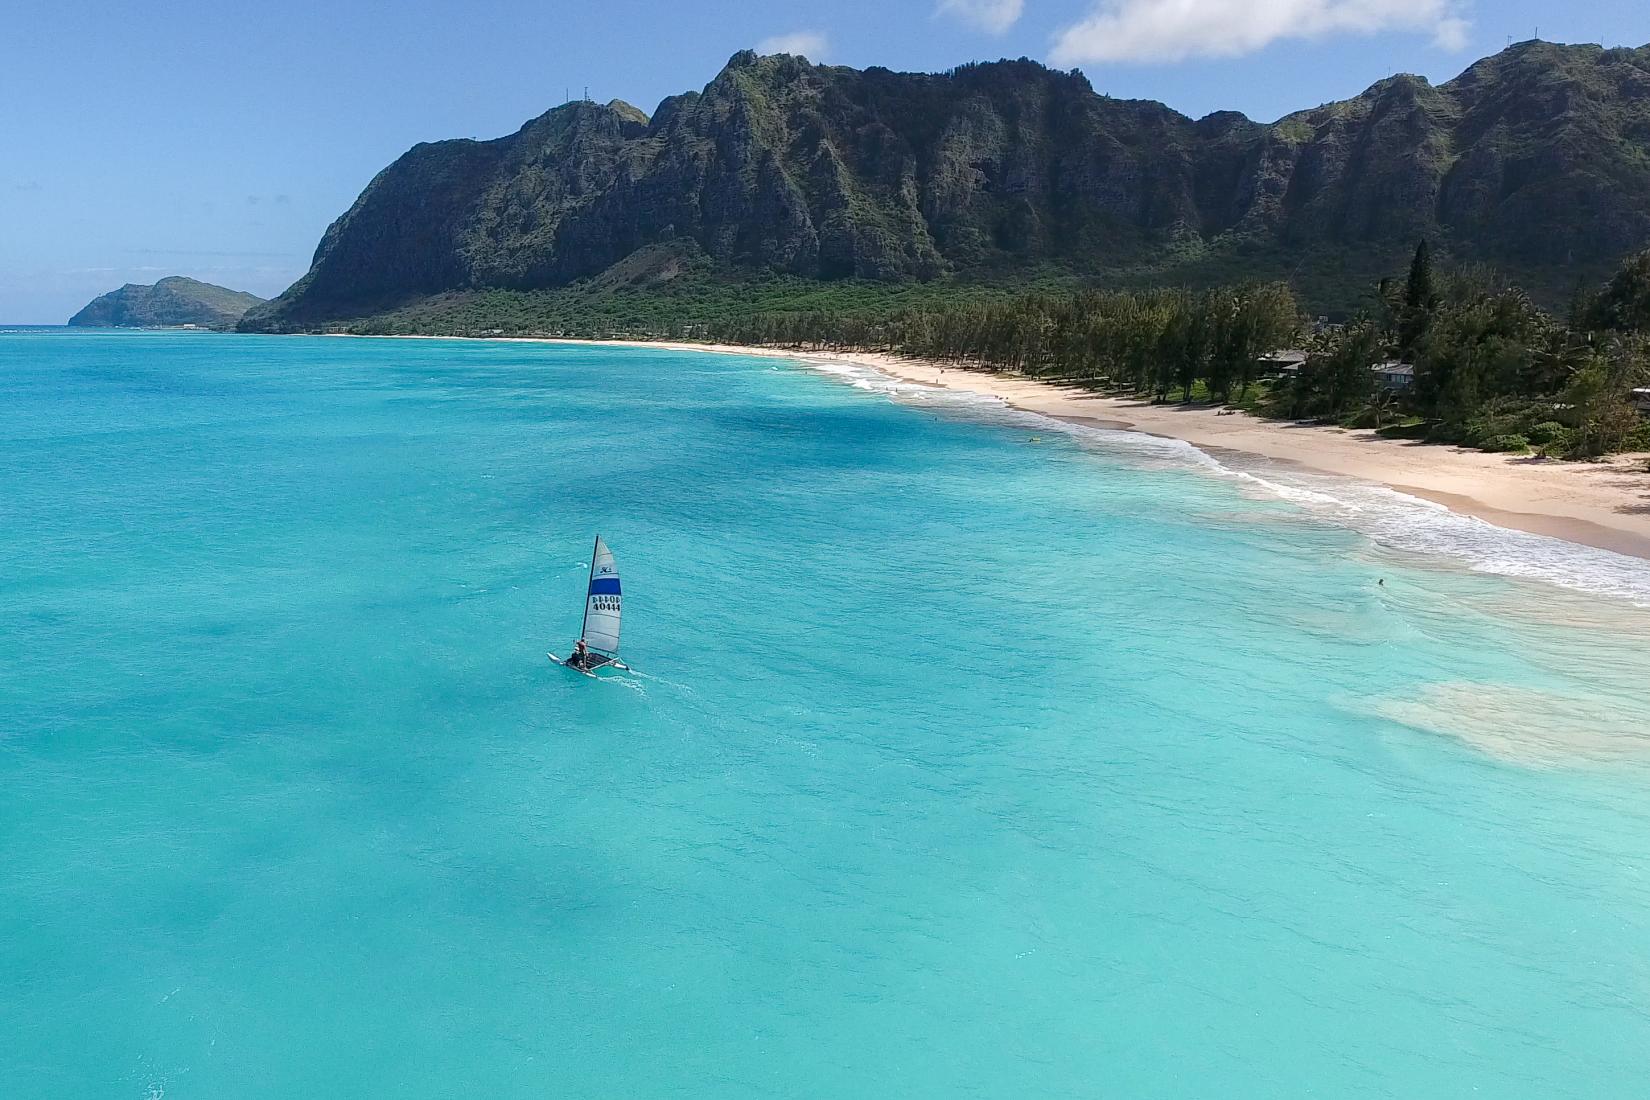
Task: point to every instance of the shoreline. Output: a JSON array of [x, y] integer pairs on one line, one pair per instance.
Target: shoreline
[[1604, 505]]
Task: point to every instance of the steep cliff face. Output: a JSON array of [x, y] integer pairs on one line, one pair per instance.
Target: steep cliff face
[[1552, 155], [175, 300], [1536, 159]]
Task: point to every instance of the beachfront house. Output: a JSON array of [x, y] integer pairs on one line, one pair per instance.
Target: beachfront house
[[1393, 375], [1641, 400], [1281, 364]]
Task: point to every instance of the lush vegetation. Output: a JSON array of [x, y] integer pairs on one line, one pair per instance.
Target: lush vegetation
[[1156, 342], [1490, 368], [686, 307]]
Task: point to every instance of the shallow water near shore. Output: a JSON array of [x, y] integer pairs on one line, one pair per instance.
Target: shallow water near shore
[[957, 765]]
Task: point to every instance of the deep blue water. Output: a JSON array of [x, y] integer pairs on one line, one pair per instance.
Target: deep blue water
[[957, 764]]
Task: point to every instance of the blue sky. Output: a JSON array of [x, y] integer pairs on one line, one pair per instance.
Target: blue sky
[[219, 139]]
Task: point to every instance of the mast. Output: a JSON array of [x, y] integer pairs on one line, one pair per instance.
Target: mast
[[586, 621]]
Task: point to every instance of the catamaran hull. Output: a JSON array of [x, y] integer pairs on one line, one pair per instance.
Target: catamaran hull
[[590, 672]]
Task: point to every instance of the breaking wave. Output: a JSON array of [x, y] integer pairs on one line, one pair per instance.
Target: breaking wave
[[1392, 519]]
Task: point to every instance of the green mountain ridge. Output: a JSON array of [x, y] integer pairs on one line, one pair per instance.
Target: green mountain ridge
[[175, 300], [1535, 160]]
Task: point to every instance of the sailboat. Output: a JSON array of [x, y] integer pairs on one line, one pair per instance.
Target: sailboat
[[598, 645]]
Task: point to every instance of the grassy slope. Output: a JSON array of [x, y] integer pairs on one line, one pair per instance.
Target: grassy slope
[[1328, 285], [593, 310]]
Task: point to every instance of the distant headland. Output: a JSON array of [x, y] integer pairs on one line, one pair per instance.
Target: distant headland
[[172, 302]]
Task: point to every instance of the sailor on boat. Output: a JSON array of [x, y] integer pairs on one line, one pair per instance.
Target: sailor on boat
[[581, 656]]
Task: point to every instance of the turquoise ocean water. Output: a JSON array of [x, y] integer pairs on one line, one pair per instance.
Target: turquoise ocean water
[[957, 764]]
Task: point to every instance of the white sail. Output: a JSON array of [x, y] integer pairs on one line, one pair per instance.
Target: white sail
[[601, 608]]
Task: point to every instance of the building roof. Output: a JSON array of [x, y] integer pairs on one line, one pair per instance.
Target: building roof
[[1284, 357], [1393, 367]]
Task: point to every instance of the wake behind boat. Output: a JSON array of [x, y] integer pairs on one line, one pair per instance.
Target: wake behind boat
[[598, 644]]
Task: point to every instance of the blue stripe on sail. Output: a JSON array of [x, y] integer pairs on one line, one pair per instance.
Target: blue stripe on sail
[[604, 586]]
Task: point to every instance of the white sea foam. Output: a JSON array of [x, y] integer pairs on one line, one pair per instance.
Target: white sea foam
[[1392, 519]]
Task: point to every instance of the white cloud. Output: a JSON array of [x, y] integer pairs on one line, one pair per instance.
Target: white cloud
[[1172, 30], [1451, 34], [810, 44], [994, 16]]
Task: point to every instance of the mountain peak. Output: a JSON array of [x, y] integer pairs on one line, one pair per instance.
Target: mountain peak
[[1537, 159]]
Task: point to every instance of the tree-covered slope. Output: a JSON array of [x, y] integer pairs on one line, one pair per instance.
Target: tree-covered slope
[[175, 300], [1537, 160]]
